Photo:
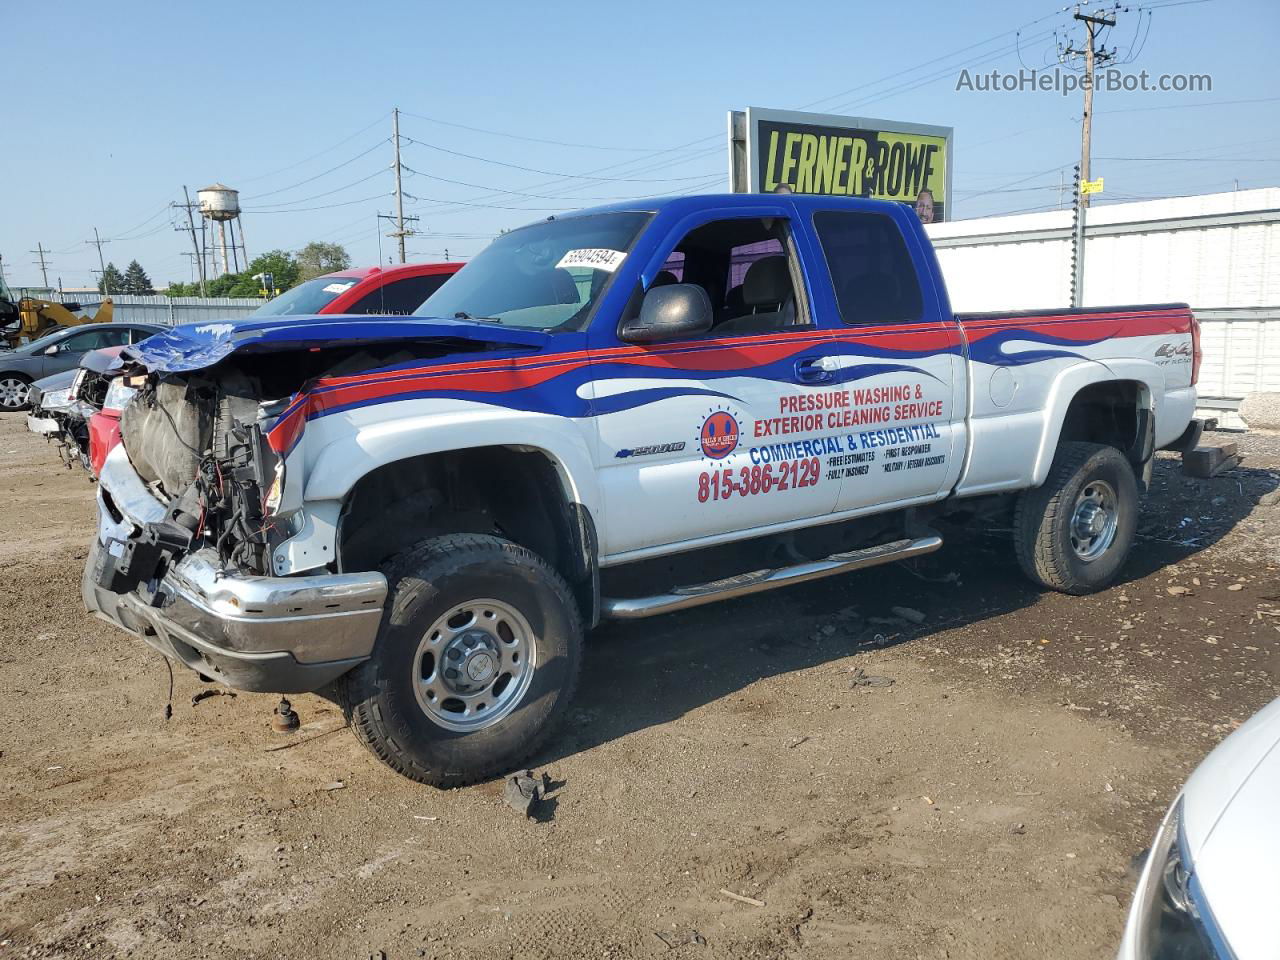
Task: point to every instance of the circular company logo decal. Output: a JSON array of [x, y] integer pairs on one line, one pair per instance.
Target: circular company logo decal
[[719, 435]]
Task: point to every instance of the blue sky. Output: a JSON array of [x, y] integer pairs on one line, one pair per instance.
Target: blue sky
[[112, 108]]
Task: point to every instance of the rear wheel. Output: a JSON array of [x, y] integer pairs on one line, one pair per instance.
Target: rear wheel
[[15, 392], [1073, 533], [476, 660]]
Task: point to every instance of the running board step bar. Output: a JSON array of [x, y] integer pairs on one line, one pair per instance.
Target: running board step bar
[[634, 608]]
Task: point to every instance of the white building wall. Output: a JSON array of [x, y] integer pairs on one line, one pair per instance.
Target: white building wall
[[1218, 252]]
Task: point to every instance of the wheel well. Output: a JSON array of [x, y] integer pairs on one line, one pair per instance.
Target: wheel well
[[1116, 413], [511, 493]]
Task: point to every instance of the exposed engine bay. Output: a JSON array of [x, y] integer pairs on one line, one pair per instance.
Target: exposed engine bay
[[198, 440]]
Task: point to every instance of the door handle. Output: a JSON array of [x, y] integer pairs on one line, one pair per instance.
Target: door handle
[[816, 369]]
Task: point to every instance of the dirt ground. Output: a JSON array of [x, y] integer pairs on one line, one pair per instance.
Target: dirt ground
[[985, 805]]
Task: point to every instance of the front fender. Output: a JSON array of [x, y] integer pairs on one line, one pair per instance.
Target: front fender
[[338, 465]]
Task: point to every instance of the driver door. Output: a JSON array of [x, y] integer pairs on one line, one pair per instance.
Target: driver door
[[680, 453]]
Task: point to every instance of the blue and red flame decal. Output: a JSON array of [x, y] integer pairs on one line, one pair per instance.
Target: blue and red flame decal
[[556, 383]]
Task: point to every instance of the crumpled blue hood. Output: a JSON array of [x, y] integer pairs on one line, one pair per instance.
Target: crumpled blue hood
[[195, 346]]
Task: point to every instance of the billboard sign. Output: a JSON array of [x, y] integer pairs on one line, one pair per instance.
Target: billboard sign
[[782, 150]]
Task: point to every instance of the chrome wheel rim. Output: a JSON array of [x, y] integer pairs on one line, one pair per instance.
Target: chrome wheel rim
[[474, 665], [1094, 520], [13, 393]]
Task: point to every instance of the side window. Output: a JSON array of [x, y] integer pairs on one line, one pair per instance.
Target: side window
[[747, 267], [672, 271], [400, 297], [96, 340], [138, 334], [871, 270]]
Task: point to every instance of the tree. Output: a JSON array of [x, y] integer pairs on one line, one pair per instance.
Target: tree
[[111, 281], [317, 258], [136, 280], [279, 263]]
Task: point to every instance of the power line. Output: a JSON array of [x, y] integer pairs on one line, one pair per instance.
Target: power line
[[1199, 159], [363, 153], [327, 193], [1013, 183], [486, 206], [548, 173], [516, 136], [520, 193], [1185, 106], [314, 156], [123, 235], [562, 178], [327, 206]]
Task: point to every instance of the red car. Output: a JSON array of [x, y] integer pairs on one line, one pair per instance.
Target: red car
[[398, 290]]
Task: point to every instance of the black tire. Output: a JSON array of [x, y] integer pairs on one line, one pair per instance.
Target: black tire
[[1043, 520], [425, 583]]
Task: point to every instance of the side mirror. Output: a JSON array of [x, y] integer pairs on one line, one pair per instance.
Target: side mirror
[[53, 350], [667, 313]]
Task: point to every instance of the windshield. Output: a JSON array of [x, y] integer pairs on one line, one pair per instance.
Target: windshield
[[548, 276], [306, 298]]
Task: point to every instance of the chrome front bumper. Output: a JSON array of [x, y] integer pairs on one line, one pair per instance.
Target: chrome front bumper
[[278, 634]]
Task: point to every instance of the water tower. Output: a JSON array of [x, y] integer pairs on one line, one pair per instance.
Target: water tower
[[220, 205]]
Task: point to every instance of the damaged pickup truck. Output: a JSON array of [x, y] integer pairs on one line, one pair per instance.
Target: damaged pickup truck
[[611, 414]]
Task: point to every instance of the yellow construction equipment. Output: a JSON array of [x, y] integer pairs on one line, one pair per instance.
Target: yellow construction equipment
[[29, 318]]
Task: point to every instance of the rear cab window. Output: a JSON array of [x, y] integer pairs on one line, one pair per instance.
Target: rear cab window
[[872, 274], [399, 297]]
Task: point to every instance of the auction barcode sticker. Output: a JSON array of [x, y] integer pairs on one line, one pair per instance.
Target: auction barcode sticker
[[593, 258]]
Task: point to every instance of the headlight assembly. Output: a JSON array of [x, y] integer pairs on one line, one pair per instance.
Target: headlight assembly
[[118, 394], [1173, 918]]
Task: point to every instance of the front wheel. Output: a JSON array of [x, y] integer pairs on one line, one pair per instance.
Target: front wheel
[[476, 660], [1073, 533], [15, 392]]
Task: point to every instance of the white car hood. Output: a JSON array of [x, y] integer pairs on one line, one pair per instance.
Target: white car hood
[[1231, 821]]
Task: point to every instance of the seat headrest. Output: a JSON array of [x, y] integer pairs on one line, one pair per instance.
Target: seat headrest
[[563, 287], [768, 280]]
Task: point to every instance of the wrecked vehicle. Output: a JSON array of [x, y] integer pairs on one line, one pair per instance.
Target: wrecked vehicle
[[391, 290], [58, 351], [612, 414], [63, 406]]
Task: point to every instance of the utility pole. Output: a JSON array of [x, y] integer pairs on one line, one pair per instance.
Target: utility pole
[[397, 220], [97, 241], [44, 270], [1093, 23], [195, 246], [395, 138]]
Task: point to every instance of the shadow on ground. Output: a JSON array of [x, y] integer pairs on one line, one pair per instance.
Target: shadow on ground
[[649, 672]]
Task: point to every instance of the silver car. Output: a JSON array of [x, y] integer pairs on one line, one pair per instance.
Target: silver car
[[59, 351]]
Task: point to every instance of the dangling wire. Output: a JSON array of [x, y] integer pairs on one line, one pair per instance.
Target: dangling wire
[[168, 707]]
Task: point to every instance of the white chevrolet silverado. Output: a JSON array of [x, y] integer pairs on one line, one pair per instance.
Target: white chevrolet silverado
[[616, 413]]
